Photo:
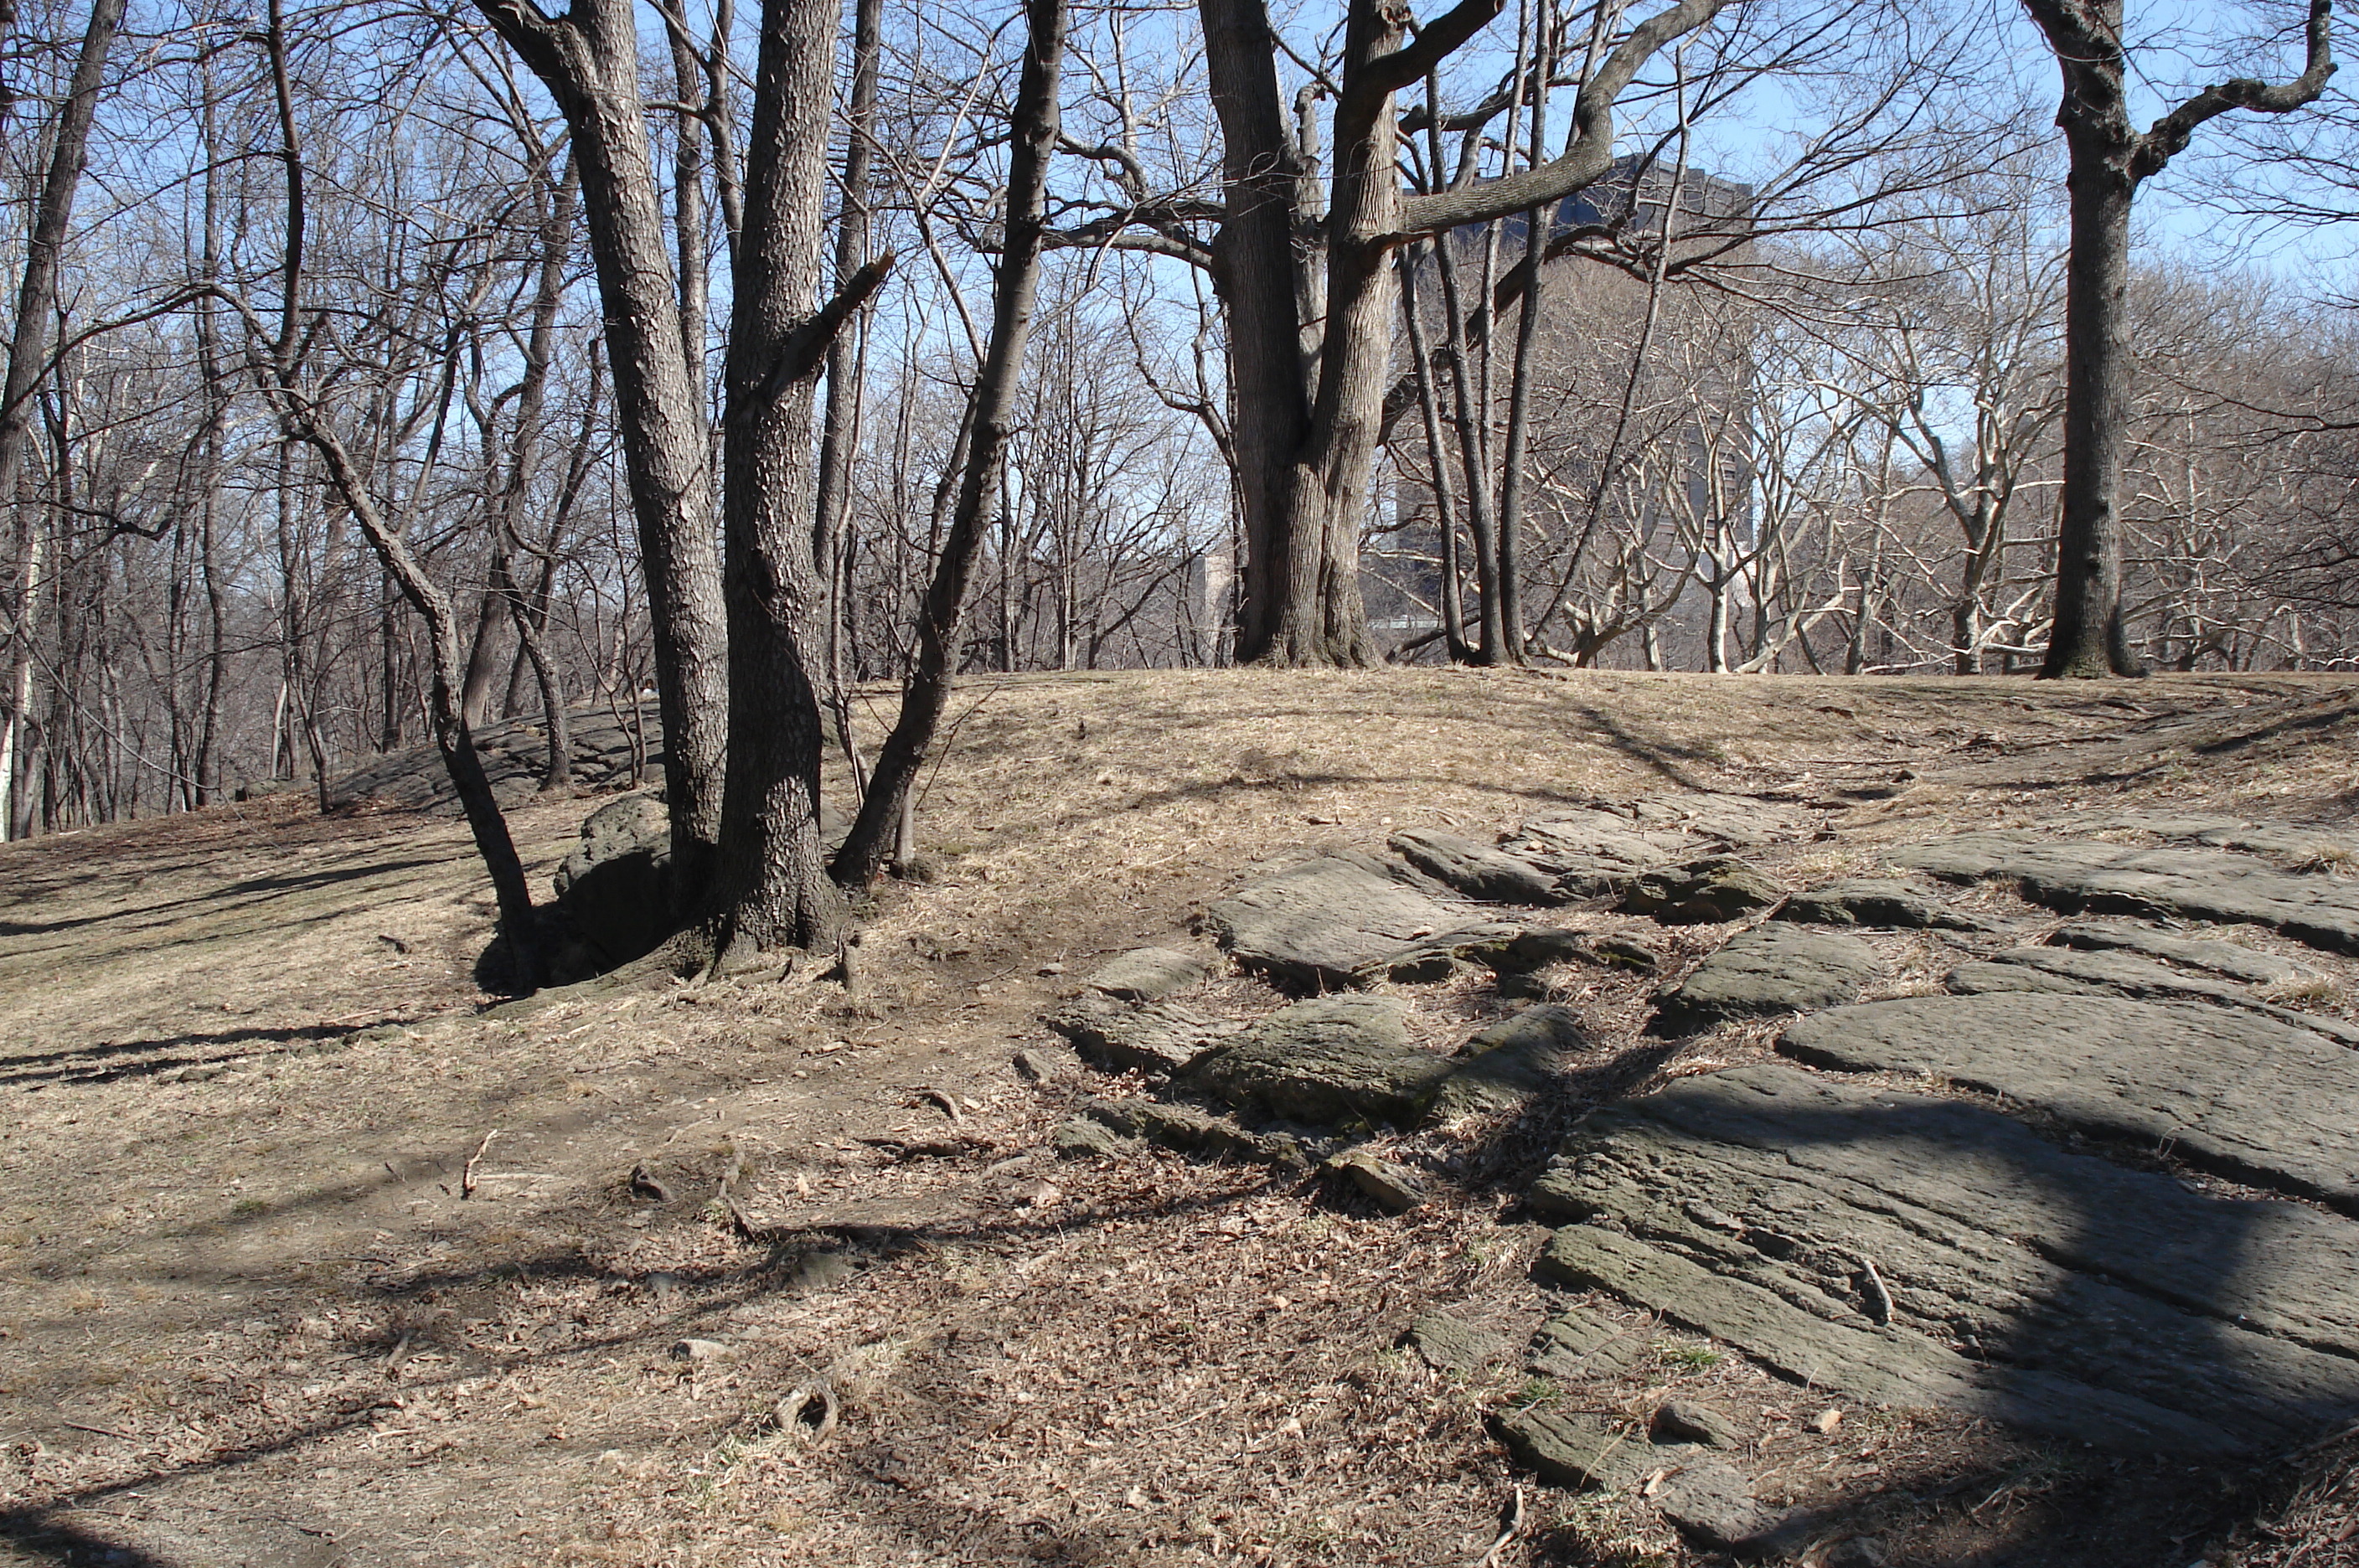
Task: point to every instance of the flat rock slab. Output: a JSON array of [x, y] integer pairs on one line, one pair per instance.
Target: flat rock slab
[[1190, 1129], [2011, 1278], [1146, 975], [2293, 842], [1576, 1345], [1597, 849], [1144, 1037], [2233, 960], [1763, 972], [1333, 922], [1578, 1451], [2227, 1090], [1330, 1061], [1476, 870], [1395, 1189], [2200, 884], [1711, 1500], [1451, 1345], [1702, 892], [2065, 972], [1875, 901]]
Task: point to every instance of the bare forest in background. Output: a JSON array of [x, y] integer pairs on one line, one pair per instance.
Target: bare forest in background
[[319, 341]]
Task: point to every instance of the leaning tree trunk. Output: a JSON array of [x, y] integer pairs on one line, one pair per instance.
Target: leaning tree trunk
[[27, 357], [990, 411]]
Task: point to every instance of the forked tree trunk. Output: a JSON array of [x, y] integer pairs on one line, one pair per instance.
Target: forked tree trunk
[[1254, 264], [2109, 159], [1305, 464], [773, 890]]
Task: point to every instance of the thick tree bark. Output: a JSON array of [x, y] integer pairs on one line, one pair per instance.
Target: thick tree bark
[[1035, 122], [1305, 466], [1253, 274], [773, 890], [588, 58], [2109, 159]]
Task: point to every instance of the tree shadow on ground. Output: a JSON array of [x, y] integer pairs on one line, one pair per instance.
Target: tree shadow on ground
[[2141, 1318]]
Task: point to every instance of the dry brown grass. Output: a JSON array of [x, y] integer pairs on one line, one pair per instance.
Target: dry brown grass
[[1151, 1362]]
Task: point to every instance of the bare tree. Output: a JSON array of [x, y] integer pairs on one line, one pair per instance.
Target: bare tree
[[27, 362], [588, 58], [1033, 126], [2110, 158]]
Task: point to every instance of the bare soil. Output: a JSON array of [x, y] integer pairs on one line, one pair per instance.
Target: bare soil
[[311, 1252]]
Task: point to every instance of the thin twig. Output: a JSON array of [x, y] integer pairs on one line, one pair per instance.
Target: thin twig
[[1510, 1524], [102, 1432], [467, 1172]]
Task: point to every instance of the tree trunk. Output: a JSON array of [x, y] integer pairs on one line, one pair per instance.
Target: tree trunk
[[1253, 273], [2089, 639], [837, 426], [1033, 138], [773, 889], [28, 359], [1304, 470], [589, 60], [2109, 158]]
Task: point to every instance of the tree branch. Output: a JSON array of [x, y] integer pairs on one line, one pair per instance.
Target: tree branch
[[2169, 136], [1435, 42], [807, 345], [1592, 152]]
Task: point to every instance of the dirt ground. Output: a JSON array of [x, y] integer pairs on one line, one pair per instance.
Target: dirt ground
[[311, 1253]]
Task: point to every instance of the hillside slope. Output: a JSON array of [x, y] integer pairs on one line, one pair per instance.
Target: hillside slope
[[311, 1253]]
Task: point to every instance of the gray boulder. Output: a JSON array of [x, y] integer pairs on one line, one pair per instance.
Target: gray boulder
[[1577, 1344], [614, 891], [1508, 1065], [1763, 972]]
